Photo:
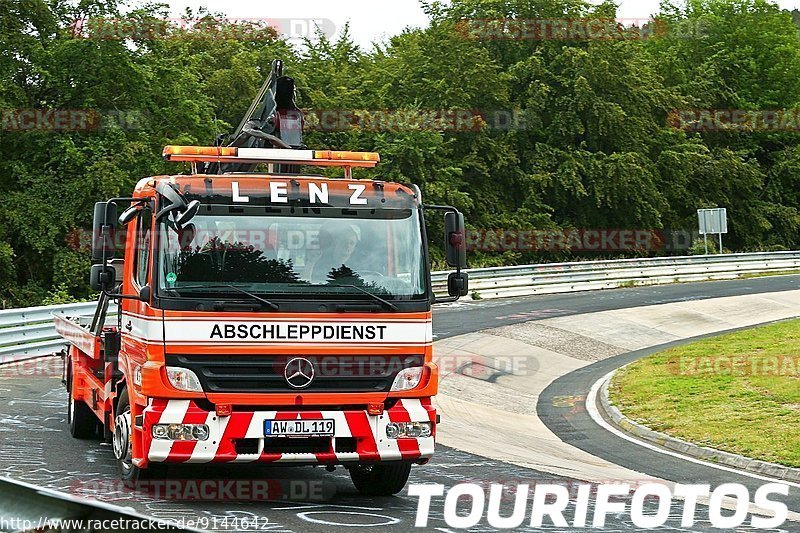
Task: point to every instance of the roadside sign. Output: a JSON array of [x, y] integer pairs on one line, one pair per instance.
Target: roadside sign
[[713, 221]]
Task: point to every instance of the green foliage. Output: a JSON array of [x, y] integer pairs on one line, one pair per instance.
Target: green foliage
[[736, 392], [699, 246], [590, 145], [59, 295]]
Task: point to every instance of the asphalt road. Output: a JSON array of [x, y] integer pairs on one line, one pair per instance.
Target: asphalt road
[[35, 446], [576, 427], [467, 316]]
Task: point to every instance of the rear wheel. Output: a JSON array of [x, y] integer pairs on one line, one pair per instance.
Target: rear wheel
[[380, 479], [81, 419], [123, 450]]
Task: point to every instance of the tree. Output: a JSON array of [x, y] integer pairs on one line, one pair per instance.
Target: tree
[[519, 133]]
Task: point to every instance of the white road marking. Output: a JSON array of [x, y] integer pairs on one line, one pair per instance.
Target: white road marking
[[591, 408], [388, 520]]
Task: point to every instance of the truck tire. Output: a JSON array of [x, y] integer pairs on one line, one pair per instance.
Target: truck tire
[[380, 479], [82, 421], [129, 473]]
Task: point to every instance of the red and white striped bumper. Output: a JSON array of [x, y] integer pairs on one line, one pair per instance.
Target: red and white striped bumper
[[369, 432]]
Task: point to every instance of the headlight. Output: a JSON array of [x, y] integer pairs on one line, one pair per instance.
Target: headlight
[[409, 430], [200, 432], [183, 379], [161, 431], [408, 378], [181, 432]]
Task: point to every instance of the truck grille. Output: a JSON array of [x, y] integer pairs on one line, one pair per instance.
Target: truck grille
[[265, 373]]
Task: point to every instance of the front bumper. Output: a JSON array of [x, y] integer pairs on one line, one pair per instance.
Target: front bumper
[[239, 438]]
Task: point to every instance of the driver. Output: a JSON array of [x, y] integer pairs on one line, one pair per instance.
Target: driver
[[338, 245]]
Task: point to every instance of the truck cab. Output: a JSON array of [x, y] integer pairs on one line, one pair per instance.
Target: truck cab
[[263, 318]]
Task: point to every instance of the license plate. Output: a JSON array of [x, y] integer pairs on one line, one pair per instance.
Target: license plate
[[299, 428]]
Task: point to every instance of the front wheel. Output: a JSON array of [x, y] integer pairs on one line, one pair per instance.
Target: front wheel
[[81, 419], [123, 450], [380, 479]]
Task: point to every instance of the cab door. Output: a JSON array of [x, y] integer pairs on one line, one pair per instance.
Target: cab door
[[141, 324]]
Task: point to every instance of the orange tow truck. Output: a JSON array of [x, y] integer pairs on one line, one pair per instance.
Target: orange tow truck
[[271, 317]]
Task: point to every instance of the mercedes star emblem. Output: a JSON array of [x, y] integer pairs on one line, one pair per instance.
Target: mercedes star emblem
[[299, 373]]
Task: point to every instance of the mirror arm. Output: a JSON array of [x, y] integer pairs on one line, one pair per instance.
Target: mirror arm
[[165, 211], [439, 207], [132, 212], [448, 299], [118, 296]]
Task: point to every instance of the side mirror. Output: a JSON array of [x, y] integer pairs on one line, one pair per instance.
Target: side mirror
[[129, 214], [458, 284], [103, 277], [145, 293], [184, 211], [188, 214], [455, 240], [104, 228]]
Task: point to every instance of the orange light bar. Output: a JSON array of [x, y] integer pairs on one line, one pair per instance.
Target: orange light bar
[[228, 154], [335, 155], [213, 151]]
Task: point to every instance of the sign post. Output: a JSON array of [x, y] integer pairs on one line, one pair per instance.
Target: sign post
[[714, 222]]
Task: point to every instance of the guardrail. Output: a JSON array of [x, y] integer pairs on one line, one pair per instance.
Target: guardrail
[[551, 278], [29, 332], [26, 507]]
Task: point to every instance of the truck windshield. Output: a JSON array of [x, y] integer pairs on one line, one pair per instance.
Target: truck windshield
[[294, 253]]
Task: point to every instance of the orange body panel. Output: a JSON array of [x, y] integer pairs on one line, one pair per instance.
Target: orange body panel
[[150, 336]]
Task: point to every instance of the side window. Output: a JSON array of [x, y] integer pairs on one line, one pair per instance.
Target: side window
[[142, 255]]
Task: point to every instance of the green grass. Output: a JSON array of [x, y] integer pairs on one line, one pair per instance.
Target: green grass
[[767, 274], [738, 392]]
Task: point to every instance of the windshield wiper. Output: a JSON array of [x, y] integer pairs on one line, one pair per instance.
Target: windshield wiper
[[388, 304], [256, 297]]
